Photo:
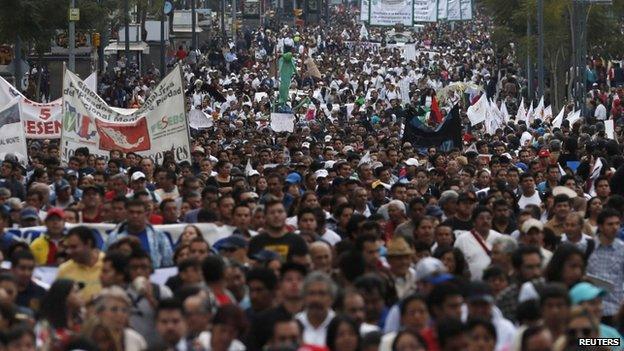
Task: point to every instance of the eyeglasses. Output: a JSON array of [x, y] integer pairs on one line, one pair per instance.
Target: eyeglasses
[[579, 332]]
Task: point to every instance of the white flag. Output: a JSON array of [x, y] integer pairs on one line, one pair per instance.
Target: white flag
[[365, 159], [522, 113], [477, 113], [472, 147], [363, 32], [574, 117], [539, 110], [530, 114], [504, 112], [548, 113], [559, 119]]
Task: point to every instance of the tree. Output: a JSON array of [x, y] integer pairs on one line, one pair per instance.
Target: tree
[[604, 38]]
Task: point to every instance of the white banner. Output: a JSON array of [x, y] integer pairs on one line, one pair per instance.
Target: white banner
[[391, 12], [466, 10], [282, 122], [159, 126], [454, 10], [12, 139], [442, 9], [41, 120], [425, 11], [364, 8]]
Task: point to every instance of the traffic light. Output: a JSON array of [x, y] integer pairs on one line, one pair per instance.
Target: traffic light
[[298, 12], [95, 40]]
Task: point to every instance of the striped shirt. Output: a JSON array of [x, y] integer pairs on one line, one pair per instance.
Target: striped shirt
[[607, 262]]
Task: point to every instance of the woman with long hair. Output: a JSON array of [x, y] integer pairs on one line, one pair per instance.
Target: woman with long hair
[[453, 259], [566, 266], [60, 315], [342, 334], [594, 206]]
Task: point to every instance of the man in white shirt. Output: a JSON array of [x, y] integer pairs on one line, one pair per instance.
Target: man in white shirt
[[476, 245], [530, 196], [573, 227], [601, 111], [480, 303], [319, 292]]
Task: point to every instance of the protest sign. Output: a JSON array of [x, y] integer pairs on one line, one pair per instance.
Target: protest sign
[[160, 125], [282, 122], [41, 120], [391, 12], [12, 139], [425, 11]]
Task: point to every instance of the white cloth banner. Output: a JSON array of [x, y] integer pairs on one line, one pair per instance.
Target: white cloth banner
[[199, 119], [453, 10], [391, 12], [442, 9], [41, 120], [12, 138], [425, 11], [466, 10], [282, 122], [159, 126], [478, 112], [364, 10], [409, 52]]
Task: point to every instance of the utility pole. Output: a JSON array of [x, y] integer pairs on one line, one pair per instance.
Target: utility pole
[[540, 47], [193, 25], [580, 49], [71, 41], [127, 34], [162, 42], [223, 20], [529, 64], [234, 21]]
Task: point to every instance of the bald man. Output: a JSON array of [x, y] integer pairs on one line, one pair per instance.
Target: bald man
[[321, 256]]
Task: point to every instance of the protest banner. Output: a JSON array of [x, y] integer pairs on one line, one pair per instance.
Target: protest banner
[[12, 139], [425, 11], [391, 12], [41, 120], [160, 125]]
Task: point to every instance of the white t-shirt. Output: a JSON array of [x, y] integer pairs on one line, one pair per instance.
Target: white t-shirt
[[475, 255], [531, 200]]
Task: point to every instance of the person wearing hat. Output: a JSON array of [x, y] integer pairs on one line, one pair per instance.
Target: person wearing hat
[[138, 184], [399, 255], [63, 196], [29, 217], [590, 297], [480, 303], [233, 247], [91, 204], [46, 247], [532, 233]]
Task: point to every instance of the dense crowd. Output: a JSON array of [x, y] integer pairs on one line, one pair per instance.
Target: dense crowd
[[345, 235]]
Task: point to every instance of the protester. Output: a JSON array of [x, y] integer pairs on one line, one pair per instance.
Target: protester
[[379, 217]]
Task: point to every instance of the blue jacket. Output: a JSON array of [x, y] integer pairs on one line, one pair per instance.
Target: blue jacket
[[160, 247]]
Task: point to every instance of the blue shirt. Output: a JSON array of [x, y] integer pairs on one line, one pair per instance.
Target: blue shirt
[[142, 236], [607, 262]]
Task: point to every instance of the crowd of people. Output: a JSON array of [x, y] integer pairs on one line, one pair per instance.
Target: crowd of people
[[344, 235]]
